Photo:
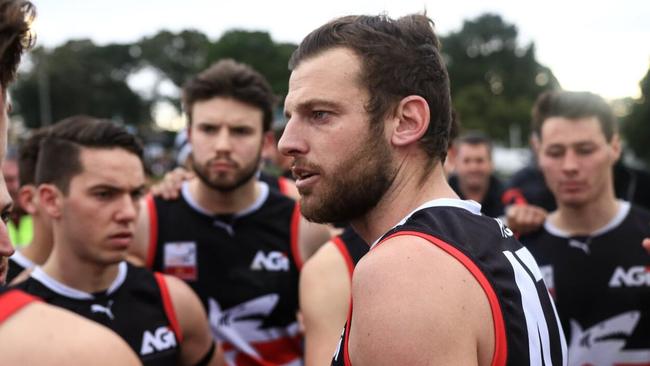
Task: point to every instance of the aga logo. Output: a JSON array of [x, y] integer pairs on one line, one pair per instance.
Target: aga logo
[[637, 276], [162, 339], [274, 261]]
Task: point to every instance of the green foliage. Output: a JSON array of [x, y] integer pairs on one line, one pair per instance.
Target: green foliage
[[494, 79], [636, 126], [178, 56], [80, 78], [258, 50]]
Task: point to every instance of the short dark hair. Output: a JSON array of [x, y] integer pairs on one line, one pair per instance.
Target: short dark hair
[[16, 17], [398, 58], [573, 105], [475, 138], [59, 156], [228, 78], [28, 156]]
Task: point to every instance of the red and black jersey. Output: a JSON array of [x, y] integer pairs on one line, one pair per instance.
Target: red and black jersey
[[527, 330], [11, 301], [601, 285], [243, 266], [136, 306], [352, 247]]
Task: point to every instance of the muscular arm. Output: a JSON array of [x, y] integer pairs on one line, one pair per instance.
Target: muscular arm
[[324, 302], [414, 304], [41, 334], [193, 322]]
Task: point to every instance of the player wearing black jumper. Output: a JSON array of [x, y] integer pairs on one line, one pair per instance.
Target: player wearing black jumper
[[369, 116], [589, 249]]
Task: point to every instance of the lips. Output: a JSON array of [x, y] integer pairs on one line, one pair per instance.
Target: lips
[[305, 177], [571, 186], [121, 240]]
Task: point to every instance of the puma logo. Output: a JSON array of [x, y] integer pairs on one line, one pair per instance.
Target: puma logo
[[96, 308]]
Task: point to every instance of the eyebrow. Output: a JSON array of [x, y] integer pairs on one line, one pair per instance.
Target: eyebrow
[[309, 104], [141, 187]]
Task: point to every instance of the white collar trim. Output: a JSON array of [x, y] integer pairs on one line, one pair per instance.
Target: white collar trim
[[261, 198], [65, 290], [623, 210], [20, 258], [469, 205]]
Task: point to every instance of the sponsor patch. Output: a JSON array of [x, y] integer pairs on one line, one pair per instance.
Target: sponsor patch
[[179, 260]]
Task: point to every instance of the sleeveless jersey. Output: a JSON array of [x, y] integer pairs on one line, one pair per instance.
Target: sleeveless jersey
[[17, 264], [136, 306], [243, 267], [601, 285], [351, 247], [11, 301], [527, 330]]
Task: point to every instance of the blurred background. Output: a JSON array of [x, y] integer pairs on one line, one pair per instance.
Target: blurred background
[[126, 60]]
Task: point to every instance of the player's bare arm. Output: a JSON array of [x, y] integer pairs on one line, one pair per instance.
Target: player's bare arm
[[197, 343], [324, 302], [417, 305]]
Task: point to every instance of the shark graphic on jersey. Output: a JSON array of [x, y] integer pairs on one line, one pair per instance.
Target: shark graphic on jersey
[[241, 329], [603, 343]]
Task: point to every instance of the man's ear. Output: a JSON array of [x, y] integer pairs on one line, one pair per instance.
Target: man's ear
[[616, 146], [51, 199], [410, 121], [26, 197]]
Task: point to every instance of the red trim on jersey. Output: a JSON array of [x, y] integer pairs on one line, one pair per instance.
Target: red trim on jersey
[[295, 230], [500, 344], [169, 306], [12, 301], [346, 349], [340, 244], [153, 231], [513, 195], [283, 185]]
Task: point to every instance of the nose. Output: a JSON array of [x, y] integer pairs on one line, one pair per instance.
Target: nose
[[570, 162], [292, 141], [222, 142], [128, 210]]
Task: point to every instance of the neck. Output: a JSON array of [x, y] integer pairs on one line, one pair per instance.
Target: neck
[[39, 249], [587, 218], [218, 202], [67, 268], [407, 193]]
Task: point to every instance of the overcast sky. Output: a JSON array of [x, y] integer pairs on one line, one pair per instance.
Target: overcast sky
[[598, 46]]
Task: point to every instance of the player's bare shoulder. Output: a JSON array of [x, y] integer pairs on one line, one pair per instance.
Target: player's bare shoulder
[[416, 296]]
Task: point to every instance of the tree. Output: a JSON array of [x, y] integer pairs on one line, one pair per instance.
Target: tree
[[636, 126], [494, 80], [80, 78], [258, 50], [178, 56]]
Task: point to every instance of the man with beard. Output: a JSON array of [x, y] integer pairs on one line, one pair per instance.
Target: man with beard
[[588, 248], [473, 178], [368, 114], [62, 338], [234, 240]]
